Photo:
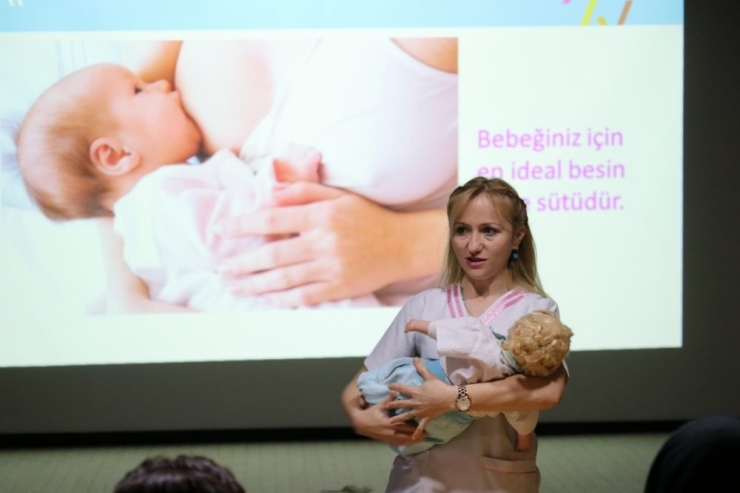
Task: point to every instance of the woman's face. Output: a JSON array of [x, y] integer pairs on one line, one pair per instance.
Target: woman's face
[[482, 240]]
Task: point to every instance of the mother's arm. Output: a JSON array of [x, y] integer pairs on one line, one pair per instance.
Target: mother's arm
[[152, 60], [518, 393], [439, 53]]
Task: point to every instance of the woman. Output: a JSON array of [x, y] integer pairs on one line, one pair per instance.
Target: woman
[[348, 98], [490, 255]]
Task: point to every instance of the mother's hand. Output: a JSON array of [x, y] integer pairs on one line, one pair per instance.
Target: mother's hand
[[339, 245], [430, 400]]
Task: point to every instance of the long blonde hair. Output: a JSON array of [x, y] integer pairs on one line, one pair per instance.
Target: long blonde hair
[[506, 200]]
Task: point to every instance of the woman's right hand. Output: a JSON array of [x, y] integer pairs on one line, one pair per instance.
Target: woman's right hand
[[374, 421]]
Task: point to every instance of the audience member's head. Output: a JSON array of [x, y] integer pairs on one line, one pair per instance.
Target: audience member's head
[[700, 456], [183, 474]]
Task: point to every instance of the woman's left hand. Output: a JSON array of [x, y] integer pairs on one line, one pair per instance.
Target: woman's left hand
[[430, 400], [339, 245]]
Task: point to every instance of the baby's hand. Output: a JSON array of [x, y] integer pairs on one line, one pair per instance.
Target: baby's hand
[[297, 163], [421, 326]]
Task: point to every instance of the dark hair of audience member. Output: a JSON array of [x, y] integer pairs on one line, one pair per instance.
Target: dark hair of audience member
[[183, 474], [700, 456]]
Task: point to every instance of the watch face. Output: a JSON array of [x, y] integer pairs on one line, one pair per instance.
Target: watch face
[[463, 403]]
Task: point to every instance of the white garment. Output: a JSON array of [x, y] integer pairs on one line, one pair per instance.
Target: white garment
[[484, 456], [385, 123], [167, 224]]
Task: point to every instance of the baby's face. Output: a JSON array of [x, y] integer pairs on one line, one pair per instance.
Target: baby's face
[[149, 117]]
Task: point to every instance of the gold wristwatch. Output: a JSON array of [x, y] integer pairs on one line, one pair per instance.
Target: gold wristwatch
[[463, 402]]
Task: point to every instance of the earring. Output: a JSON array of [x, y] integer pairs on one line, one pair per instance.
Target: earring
[[515, 254]]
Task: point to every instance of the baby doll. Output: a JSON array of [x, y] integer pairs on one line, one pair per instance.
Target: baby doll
[[471, 352]]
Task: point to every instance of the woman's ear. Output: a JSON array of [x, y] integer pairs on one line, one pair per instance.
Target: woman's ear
[[519, 236], [110, 157]]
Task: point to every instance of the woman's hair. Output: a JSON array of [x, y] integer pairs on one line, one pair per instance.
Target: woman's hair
[[504, 198], [183, 474], [54, 151], [539, 342]]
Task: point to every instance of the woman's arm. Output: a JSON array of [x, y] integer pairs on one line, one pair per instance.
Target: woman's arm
[[516, 393], [152, 60], [126, 292], [343, 246], [439, 53], [373, 421]]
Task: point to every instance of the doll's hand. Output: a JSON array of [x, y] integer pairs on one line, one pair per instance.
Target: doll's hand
[[421, 326]]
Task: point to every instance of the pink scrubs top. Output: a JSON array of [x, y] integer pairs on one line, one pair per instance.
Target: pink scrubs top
[[484, 456]]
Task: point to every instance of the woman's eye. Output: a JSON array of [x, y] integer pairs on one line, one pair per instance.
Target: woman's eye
[[489, 231], [460, 230]]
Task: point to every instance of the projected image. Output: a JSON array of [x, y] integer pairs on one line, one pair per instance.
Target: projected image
[[222, 176], [280, 196]]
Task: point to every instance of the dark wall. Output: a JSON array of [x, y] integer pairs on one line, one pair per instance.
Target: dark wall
[[606, 386]]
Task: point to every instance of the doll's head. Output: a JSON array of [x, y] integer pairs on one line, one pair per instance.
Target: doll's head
[[538, 342], [88, 139]]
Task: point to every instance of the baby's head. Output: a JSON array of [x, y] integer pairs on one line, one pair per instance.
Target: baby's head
[[538, 342], [89, 138]]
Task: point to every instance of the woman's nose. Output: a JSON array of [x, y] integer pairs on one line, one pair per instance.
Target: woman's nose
[[474, 245]]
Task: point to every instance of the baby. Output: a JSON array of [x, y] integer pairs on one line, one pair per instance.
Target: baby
[[471, 352], [102, 142]]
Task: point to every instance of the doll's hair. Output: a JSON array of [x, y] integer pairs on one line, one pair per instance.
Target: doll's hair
[[506, 200], [183, 474], [54, 148], [539, 342]]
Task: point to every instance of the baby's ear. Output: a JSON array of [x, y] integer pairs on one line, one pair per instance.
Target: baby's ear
[[110, 157]]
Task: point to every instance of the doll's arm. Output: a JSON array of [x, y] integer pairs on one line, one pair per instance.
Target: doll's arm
[[467, 338], [524, 422], [421, 326]]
